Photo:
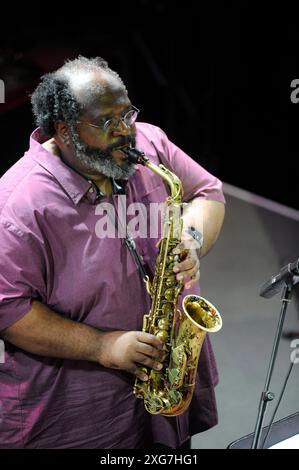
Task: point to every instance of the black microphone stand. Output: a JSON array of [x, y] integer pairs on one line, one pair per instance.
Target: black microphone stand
[[266, 394]]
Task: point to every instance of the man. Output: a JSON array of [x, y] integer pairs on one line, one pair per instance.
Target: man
[[72, 300]]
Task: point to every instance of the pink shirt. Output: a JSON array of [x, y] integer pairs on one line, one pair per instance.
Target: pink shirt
[[50, 251]]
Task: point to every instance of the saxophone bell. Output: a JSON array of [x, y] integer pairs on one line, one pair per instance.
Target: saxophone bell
[[202, 313]]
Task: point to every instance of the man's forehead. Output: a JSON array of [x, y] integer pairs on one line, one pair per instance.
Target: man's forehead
[[108, 103], [98, 92]]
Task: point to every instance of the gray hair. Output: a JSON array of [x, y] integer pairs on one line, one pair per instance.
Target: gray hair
[[64, 94]]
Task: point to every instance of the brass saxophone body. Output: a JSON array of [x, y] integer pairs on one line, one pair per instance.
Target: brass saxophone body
[[168, 392]]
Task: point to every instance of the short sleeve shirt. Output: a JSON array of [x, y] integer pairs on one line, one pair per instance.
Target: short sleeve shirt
[[53, 250]]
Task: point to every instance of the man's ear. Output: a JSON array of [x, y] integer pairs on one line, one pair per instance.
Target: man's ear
[[62, 132]]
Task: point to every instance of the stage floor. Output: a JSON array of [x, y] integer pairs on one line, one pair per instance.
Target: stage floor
[[258, 238]]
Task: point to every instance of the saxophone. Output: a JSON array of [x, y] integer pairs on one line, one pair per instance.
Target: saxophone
[[168, 392]]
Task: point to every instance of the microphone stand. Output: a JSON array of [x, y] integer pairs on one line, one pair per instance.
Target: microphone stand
[[266, 394]]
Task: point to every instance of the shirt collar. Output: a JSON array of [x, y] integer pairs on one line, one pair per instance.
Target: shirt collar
[[74, 183]]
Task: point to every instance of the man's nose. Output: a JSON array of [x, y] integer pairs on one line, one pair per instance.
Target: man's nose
[[121, 129]]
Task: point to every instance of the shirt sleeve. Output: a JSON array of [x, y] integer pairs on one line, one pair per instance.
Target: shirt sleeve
[[21, 273], [197, 182]]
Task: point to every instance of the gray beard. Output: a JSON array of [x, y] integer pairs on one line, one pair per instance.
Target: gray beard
[[100, 161]]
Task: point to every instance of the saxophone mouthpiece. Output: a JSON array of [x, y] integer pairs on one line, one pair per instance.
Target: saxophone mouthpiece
[[135, 156]]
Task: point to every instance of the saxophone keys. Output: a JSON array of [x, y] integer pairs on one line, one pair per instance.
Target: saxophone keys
[[166, 310], [163, 324], [169, 294], [162, 335], [148, 285], [170, 281]]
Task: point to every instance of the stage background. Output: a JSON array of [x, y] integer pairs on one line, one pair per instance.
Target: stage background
[[215, 77]]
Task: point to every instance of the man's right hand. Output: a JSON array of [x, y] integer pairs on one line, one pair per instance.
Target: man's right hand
[[46, 333], [130, 351]]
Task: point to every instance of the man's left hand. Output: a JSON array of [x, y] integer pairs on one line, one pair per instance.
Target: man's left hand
[[187, 268]]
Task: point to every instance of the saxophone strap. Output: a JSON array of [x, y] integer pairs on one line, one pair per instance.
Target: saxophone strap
[[137, 258]]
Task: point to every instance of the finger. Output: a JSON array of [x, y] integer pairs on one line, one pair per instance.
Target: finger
[[189, 272], [192, 281], [140, 373], [180, 256], [178, 249], [188, 264], [148, 338], [187, 279], [147, 361], [190, 276], [150, 351]]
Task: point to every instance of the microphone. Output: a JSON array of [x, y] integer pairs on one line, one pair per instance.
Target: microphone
[[285, 275]]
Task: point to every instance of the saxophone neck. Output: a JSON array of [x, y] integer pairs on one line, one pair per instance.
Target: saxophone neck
[[136, 156], [176, 190]]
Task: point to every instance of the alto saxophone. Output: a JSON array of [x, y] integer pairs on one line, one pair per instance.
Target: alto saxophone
[[168, 392]]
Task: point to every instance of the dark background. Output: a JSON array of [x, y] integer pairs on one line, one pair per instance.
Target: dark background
[[215, 77]]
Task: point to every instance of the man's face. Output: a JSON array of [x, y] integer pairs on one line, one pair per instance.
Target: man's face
[[97, 149]]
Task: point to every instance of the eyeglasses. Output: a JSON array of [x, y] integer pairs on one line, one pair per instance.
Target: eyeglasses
[[111, 124]]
